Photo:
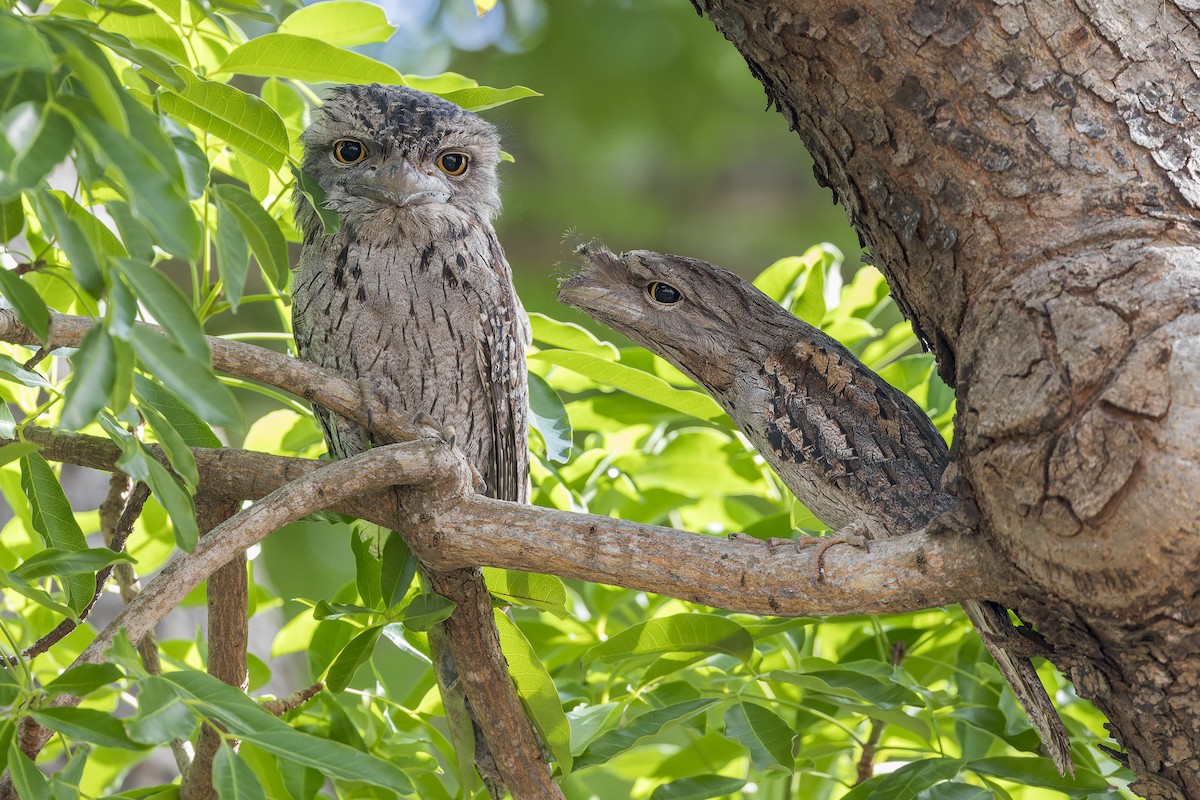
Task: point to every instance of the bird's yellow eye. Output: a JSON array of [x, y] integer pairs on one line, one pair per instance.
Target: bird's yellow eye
[[349, 151], [453, 163], [663, 293]]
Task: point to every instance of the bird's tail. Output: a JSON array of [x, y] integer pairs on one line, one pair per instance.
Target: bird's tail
[[994, 626]]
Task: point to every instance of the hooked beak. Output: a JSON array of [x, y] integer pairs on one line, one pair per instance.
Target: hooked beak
[[401, 186]]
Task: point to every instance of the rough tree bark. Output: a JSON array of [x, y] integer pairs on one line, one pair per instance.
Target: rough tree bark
[[1027, 176]]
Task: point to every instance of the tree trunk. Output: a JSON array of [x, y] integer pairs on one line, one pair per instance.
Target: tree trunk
[[1027, 177]]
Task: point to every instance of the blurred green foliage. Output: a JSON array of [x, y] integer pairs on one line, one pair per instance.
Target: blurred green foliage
[[147, 149]]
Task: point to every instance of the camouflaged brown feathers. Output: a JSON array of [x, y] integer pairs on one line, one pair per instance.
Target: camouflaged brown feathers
[[858, 453]]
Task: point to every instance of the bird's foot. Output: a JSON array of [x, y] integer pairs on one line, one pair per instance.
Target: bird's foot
[[851, 535], [431, 428]]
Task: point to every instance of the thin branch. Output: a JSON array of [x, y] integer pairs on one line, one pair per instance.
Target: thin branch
[[316, 384]]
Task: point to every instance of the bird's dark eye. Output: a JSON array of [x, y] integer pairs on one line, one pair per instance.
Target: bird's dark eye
[[453, 163], [663, 293], [349, 151]]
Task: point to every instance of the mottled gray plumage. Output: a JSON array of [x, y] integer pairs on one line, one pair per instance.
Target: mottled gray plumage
[[858, 453], [413, 294], [412, 297]]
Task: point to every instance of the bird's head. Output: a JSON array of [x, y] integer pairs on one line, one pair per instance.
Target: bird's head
[[394, 149], [703, 319]]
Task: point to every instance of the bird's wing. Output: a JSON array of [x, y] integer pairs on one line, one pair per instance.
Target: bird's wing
[[875, 451], [502, 361]]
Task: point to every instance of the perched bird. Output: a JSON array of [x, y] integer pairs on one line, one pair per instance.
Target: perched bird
[[412, 296], [860, 454]]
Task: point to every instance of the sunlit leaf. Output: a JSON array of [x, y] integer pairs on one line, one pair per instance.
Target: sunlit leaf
[[95, 371], [27, 303], [344, 23], [479, 98], [85, 724], [548, 416], [244, 121], [83, 679], [284, 55], [36, 139], [54, 520], [233, 778], [696, 633], [636, 382], [425, 610], [356, 653], [768, 738], [537, 690], [53, 561], [649, 724], [246, 720], [699, 787], [260, 231], [546, 592], [191, 380]]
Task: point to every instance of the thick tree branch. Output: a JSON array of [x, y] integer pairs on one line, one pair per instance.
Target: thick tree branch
[[902, 574]]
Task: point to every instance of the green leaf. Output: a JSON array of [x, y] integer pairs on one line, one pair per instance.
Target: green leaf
[[11, 370], [330, 611], [424, 611], [137, 462], [178, 453], [479, 98], [149, 170], [344, 23], [192, 380], [120, 32], [261, 231], [233, 256], [314, 193], [868, 681], [699, 787], [27, 303], [94, 373], [635, 382], [36, 140], [193, 430], [284, 55], [1040, 772], [768, 738], [53, 561], [530, 589], [356, 653], [85, 265], [26, 777], [798, 283], [232, 777], [397, 567], [548, 416], [244, 121], [89, 66], [55, 522], [85, 724], [22, 47], [168, 307], [954, 790], [43, 599], [693, 633], [246, 720], [613, 743], [82, 679], [12, 222], [14, 450], [908, 781], [536, 688], [569, 336], [161, 715]]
